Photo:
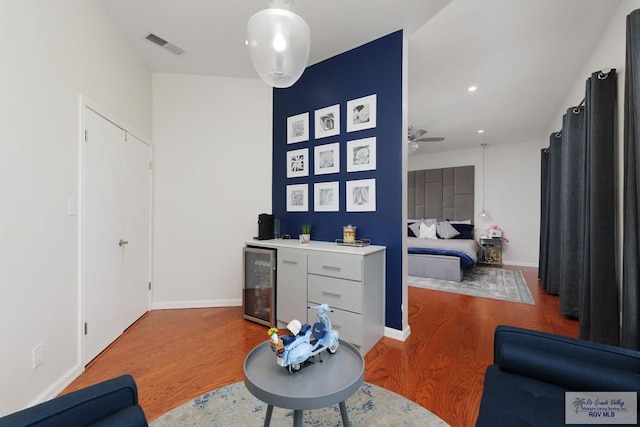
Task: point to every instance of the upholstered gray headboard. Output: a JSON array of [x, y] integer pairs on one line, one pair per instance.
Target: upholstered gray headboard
[[445, 193]]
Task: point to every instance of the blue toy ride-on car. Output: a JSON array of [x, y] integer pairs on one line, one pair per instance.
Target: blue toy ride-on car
[[307, 341]]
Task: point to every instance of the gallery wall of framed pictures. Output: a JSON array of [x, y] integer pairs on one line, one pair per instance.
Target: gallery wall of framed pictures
[[359, 155], [337, 153]]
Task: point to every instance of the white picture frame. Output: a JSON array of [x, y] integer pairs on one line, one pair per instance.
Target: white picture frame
[[361, 195], [298, 128], [298, 198], [326, 121], [298, 163], [361, 113], [326, 196], [361, 155], [326, 158]]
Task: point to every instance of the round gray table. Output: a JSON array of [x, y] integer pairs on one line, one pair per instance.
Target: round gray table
[[315, 386]]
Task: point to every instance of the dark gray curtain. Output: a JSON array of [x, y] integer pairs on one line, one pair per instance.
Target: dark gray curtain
[[551, 274], [598, 308], [572, 200], [579, 262], [544, 214], [631, 226]]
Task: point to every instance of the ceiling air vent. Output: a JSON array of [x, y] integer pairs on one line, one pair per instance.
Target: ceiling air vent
[[165, 44]]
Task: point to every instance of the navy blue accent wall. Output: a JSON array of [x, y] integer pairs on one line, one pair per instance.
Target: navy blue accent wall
[[374, 68]]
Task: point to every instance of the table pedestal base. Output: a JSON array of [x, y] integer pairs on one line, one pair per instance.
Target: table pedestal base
[[297, 416]]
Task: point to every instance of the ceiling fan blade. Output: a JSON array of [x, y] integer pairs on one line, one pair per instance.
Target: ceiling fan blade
[[417, 134], [431, 139]]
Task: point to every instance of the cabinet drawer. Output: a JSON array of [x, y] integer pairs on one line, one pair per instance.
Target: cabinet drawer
[[348, 325], [337, 293], [344, 266]]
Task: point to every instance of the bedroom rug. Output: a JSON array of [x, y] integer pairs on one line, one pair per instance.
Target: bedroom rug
[[233, 405], [487, 282]]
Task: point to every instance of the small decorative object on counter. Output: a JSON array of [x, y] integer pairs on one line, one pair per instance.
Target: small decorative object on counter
[[306, 341], [349, 234], [305, 237]]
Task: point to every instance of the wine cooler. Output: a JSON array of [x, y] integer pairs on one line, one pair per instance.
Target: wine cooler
[[259, 293]]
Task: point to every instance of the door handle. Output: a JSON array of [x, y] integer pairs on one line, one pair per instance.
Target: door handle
[[122, 243]]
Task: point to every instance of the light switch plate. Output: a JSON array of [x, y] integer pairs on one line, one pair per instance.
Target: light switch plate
[[72, 206]]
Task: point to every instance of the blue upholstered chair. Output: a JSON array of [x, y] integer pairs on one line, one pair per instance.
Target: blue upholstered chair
[[112, 403], [532, 370]]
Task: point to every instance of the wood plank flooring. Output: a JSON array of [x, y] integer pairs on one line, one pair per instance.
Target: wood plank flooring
[[175, 355]]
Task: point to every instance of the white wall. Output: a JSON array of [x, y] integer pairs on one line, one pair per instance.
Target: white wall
[[51, 53], [608, 53], [212, 147], [512, 193]]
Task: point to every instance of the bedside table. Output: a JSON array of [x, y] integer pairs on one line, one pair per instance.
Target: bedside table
[[490, 250]]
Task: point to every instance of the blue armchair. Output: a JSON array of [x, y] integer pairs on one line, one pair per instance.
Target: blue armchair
[[112, 403], [532, 370]]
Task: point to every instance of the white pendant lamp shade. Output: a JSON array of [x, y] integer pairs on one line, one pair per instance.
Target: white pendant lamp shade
[[278, 41]]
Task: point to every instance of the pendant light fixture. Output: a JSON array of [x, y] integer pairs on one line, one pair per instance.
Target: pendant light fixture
[[483, 212], [278, 42]]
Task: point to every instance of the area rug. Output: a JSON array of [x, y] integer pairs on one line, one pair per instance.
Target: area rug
[[233, 405], [487, 282]]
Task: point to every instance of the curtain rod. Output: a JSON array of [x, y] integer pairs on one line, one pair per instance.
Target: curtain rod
[[603, 74]]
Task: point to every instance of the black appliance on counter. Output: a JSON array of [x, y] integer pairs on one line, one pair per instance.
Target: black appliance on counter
[[265, 226]]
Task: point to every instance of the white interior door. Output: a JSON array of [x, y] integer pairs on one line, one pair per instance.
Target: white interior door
[[136, 231], [116, 245], [102, 231]]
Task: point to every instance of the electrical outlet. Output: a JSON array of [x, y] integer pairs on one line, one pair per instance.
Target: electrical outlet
[[38, 355]]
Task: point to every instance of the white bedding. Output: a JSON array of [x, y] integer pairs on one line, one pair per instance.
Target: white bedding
[[467, 246]]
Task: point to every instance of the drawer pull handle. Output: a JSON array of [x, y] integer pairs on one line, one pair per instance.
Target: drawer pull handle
[[331, 294], [286, 261], [330, 267]]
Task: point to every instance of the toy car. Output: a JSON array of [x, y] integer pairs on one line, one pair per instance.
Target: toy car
[[294, 351]]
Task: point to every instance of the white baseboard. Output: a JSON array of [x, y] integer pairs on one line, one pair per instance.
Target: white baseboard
[[165, 305], [396, 334], [56, 388]]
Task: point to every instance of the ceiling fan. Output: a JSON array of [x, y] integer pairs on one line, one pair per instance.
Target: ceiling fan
[[416, 136]]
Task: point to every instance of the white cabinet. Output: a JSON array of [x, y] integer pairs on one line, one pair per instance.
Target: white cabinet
[[350, 280], [291, 286]]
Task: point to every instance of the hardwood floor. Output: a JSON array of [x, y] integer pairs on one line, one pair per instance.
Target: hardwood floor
[[175, 355]]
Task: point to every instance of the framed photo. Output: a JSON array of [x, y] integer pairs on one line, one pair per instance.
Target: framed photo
[[326, 158], [326, 197], [298, 198], [298, 163], [298, 128], [361, 113], [327, 121], [361, 155], [361, 195]]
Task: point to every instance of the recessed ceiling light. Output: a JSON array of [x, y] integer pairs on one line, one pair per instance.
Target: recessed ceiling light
[[481, 131], [472, 88]]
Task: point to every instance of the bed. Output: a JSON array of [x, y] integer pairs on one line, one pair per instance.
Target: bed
[[444, 259], [444, 196]]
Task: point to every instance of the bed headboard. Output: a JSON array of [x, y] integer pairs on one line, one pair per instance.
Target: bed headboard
[[446, 193]]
